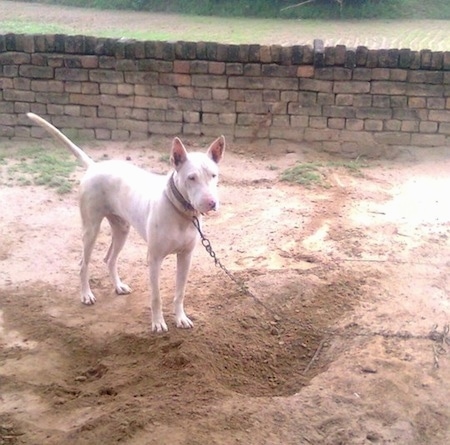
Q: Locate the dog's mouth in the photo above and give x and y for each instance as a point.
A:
(210, 208)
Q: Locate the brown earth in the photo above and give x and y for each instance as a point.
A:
(343, 338)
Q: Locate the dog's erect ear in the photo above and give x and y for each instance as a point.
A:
(178, 154)
(216, 149)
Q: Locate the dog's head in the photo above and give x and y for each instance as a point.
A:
(197, 174)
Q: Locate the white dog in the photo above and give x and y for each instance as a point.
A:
(160, 208)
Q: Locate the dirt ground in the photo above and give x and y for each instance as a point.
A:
(341, 340)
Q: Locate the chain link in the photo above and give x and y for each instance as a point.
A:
(442, 339)
(241, 285)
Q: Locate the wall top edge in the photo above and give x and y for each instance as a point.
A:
(316, 54)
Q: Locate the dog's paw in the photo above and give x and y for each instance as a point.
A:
(159, 326)
(123, 289)
(183, 322)
(88, 298)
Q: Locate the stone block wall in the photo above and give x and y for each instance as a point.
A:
(335, 98)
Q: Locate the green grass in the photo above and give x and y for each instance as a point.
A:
(165, 158)
(353, 166)
(192, 28)
(309, 174)
(37, 166)
(38, 27)
(412, 34)
(318, 9)
(306, 174)
(30, 27)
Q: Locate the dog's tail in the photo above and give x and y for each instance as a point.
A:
(77, 151)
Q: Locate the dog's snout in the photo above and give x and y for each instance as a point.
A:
(207, 204)
(212, 205)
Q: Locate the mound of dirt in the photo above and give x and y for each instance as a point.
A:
(335, 329)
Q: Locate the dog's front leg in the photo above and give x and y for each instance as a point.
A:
(158, 323)
(183, 265)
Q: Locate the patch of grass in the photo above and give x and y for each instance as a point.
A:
(353, 166)
(31, 27)
(306, 174)
(165, 158)
(315, 173)
(38, 166)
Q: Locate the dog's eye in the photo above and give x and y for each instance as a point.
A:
(214, 175)
(191, 177)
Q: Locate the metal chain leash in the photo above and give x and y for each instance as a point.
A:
(442, 339)
(241, 285)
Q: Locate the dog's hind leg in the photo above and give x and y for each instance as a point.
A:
(90, 232)
(119, 232)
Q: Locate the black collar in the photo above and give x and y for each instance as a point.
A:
(187, 206)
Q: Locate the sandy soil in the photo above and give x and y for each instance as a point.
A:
(343, 339)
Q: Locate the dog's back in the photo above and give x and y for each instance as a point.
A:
(122, 189)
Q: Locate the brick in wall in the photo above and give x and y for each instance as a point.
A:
(116, 89)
